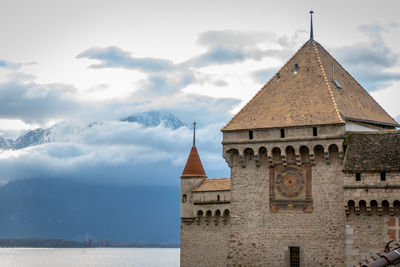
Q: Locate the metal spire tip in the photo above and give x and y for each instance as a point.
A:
(311, 28)
(194, 133)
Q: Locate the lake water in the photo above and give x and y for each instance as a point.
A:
(89, 257)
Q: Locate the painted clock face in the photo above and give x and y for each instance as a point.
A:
(290, 182)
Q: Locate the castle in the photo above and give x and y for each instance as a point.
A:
(315, 175)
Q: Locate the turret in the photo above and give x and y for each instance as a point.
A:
(192, 175)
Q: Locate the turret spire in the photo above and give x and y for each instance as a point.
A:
(194, 133)
(311, 27)
(193, 167)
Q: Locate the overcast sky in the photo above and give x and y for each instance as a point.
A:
(201, 60)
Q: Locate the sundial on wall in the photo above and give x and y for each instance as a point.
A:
(290, 188)
(289, 182)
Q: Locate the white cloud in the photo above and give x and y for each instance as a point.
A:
(114, 152)
(388, 98)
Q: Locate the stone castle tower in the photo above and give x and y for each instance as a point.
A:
(315, 175)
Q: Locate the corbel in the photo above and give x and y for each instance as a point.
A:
(380, 211)
(326, 157)
(270, 161)
(228, 159)
(242, 161)
(368, 209)
(312, 158)
(257, 159)
(284, 161)
(298, 159)
(357, 210)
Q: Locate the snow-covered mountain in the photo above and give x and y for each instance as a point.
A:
(153, 118)
(5, 142)
(32, 138)
(66, 131)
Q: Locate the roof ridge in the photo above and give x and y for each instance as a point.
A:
(199, 183)
(327, 84)
(259, 91)
(351, 76)
(385, 131)
(216, 179)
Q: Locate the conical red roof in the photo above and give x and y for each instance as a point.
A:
(193, 167)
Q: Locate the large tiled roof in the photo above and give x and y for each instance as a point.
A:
(309, 97)
(220, 184)
(372, 151)
(193, 167)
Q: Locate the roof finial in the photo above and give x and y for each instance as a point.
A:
(311, 28)
(194, 133)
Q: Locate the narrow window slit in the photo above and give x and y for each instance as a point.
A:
(282, 133)
(314, 131)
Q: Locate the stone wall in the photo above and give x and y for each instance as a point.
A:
(368, 234)
(259, 237)
(373, 208)
(204, 226)
(186, 204)
(204, 244)
(346, 221)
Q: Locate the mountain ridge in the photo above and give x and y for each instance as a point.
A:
(147, 119)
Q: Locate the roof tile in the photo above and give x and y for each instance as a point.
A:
(193, 167)
(372, 151)
(308, 97)
(220, 184)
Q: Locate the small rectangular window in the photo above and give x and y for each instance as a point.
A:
(282, 133)
(383, 176)
(184, 198)
(250, 134)
(314, 131)
(358, 176)
(294, 256)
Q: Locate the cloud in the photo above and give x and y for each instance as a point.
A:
(370, 61)
(32, 102)
(161, 84)
(114, 152)
(22, 98)
(9, 65)
(222, 47)
(233, 40)
(263, 75)
(219, 83)
(115, 57)
(188, 107)
(228, 47)
(163, 88)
